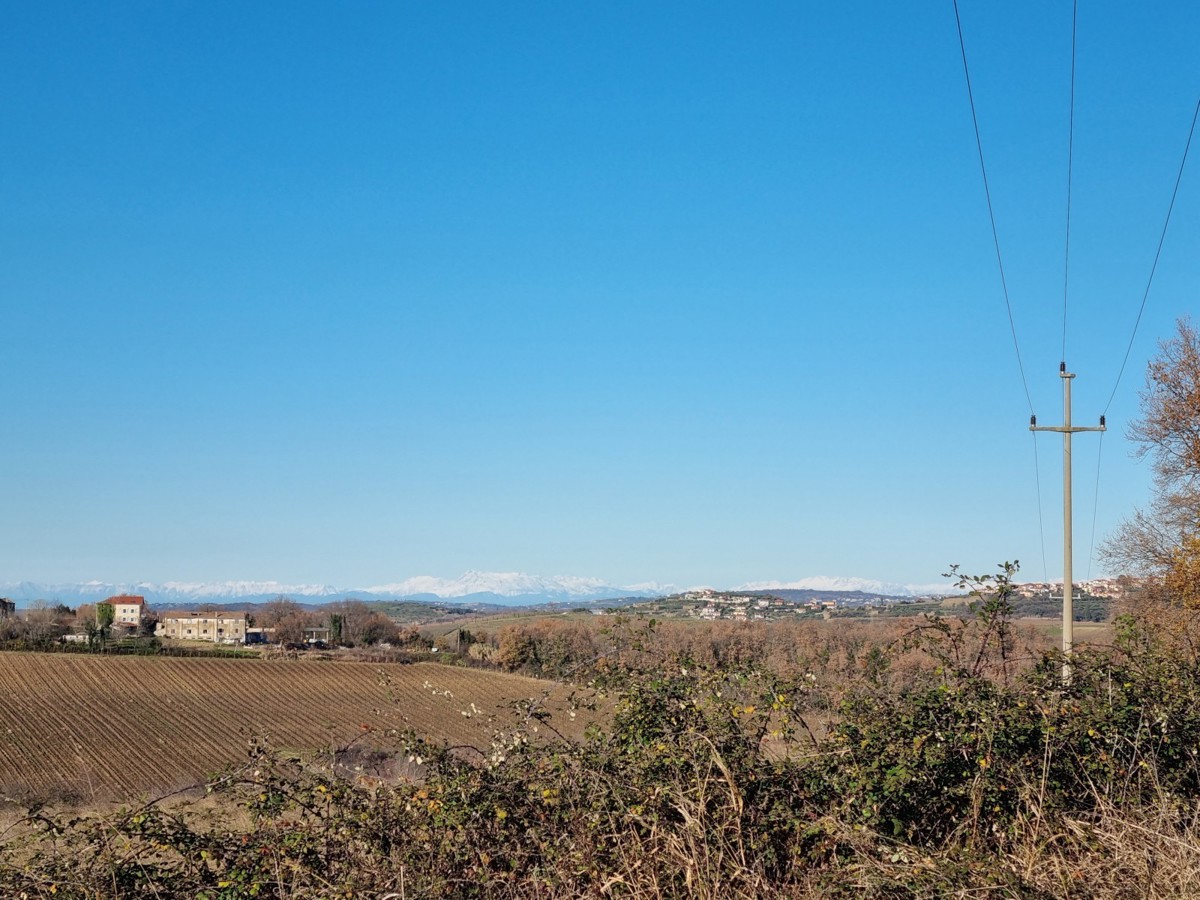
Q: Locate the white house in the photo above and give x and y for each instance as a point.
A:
(128, 609)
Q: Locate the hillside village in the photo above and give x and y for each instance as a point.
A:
(712, 605)
(1107, 588)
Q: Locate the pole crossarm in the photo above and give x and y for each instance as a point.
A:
(1066, 430)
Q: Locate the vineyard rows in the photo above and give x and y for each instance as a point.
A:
(98, 727)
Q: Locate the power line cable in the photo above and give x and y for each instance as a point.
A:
(1037, 476)
(1153, 268)
(1095, 506)
(1070, 166)
(991, 213)
(1000, 264)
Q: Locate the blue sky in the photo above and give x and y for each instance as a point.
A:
(348, 293)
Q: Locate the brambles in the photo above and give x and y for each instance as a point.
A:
(948, 753)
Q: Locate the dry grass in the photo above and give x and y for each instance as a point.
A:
(1150, 852)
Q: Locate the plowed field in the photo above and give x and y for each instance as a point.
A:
(91, 727)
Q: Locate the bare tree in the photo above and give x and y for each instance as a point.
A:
(288, 619)
(1169, 429)
(43, 623)
(1163, 540)
(355, 622)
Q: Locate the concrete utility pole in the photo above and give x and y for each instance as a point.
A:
(1067, 430)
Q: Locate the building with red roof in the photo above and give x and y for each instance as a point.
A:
(128, 609)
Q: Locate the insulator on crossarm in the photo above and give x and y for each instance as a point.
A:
(1102, 425)
(1032, 421)
(1062, 367)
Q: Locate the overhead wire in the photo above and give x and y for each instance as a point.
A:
(1095, 506)
(1070, 166)
(991, 213)
(1066, 259)
(1037, 477)
(962, 46)
(1000, 265)
(1157, 253)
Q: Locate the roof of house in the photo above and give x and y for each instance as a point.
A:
(126, 599)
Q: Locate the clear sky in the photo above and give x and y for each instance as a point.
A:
(688, 292)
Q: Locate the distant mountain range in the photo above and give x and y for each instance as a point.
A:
(471, 588)
(866, 586)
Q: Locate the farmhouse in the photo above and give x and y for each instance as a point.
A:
(218, 627)
(128, 609)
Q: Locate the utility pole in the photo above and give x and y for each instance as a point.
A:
(1068, 626)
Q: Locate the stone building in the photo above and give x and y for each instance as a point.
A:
(128, 609)
(218, 627)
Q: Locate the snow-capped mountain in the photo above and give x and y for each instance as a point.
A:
(505, 588)
(503, 584)
(169, 593)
